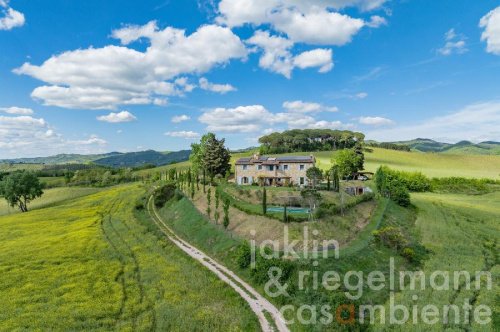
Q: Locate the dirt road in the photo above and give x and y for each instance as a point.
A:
(257, 302)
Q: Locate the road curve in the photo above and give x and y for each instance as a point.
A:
(257, 302)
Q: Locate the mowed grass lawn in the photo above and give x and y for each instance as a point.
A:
(95, 264)
(462, 232)
(430, 164)
(49, 198)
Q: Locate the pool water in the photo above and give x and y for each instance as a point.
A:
(288, 209)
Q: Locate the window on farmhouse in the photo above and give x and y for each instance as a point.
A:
(285, 167)
(301, 167)
(302, 181)
(245, 167)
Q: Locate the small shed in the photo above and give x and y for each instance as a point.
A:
(358, 191)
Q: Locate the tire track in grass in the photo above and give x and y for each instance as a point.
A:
(259, 305)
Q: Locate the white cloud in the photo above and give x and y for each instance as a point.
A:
(454, 44)
(17, 110)
(491, 34)
(376, 21)
(476, 122)
(329, 125)
(277, 57)
(218, 88)
(180, 118)
(360, 95)
(123, 116)
(10, 18)
(104, 78)
(375, 121)
(27, 136)
(183, 134)
(255, 117)
(320, 57)
(298, 106)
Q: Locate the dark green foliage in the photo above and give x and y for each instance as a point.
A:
(396, 185)
(244, 255)
(165, 193)
(315, 175)
(217, 202)
(391, 237)
(389, 146)
(264, 201)
(309, 140)
(285, 218)
(225, 222)
(463, 185)
(335, 178)
(209, 198)
(349, 161)
(211, 155)
(20, 188)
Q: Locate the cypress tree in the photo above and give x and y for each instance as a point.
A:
(226, 214)
(264, 201)
(285, 217)
(209, 192)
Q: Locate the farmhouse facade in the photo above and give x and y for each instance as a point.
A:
(273, 171)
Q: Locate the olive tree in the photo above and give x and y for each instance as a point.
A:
(20, 188)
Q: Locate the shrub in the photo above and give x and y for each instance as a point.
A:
(244, 255)
(391, 237)
(165, 193)
(462, 185)
(139, 205)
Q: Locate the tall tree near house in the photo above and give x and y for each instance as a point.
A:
(348, 162)
(197, 181)
(264, 201)
(192, 189)
(285, 216)
(20, 188)
(209, 198)
(315, 175)
(204, 181)
(211, 156)
(225, 221)
(328, 181)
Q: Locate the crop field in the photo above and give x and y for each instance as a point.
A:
(430, 164)
(462, 232)
(50, 197)
(95, 264)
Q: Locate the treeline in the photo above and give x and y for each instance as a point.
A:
(307, 140)
(389, 146)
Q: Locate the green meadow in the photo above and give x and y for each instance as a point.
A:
(430, 164)
(93, 263)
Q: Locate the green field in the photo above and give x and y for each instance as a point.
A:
(49, 198)
(94, 264)
(430, 164)
(462, 232)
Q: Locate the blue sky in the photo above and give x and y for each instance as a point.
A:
(97, 76)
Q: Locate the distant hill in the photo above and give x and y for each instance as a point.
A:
(135, 159)
(112, 159)
(462, 147)
(60, 159)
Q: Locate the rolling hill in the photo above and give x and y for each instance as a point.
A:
(134, 159)
(462, 147)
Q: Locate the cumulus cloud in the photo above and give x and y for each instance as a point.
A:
(454, 44)
(106, 77)
(183, 134)
(255, 117)
(476, 122)
(10, 18)
(218, 88)
(491, 34)
(17, 110)
(375, 121)
(180, 118)
(123, 116)
(320, 57)
(277, 56)
(299, 106)
(28, 137)
(376, 21)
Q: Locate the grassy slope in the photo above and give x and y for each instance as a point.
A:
(462, 232)
(363, 256)
(90, 264)
(49, 198)
(431, 164)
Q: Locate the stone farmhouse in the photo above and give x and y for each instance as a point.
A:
(273, 171)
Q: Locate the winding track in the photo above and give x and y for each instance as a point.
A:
(257, 302)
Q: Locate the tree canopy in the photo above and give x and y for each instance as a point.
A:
(315, 175)
(349, 161)
(211, 156)
(20, 188)
(298, 140)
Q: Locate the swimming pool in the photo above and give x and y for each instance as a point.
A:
(288, 209)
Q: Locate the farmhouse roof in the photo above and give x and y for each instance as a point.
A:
(266, 160)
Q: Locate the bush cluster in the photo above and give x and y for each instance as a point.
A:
(165, 193)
